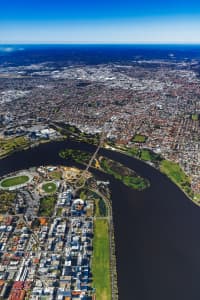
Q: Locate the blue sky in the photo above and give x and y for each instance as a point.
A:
(96, 21)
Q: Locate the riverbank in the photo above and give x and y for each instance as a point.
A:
(104, 251)
(171, 169)
(177, 175)
(104, 265)
(11, 145)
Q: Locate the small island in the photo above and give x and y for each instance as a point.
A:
(171, 169)
(114, 168)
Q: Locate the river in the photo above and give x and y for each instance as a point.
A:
(157, 231)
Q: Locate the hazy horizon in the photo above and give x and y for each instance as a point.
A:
(98, 43)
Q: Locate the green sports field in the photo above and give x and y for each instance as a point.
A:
(49, 187)
(101, 261)
(14, 181)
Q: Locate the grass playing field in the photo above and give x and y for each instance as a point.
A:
(101, 261)
(14, 181)
(49, 187)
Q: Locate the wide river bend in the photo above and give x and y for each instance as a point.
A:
(157, 231)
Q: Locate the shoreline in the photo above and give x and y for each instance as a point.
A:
(195, 201)
(106, 147)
